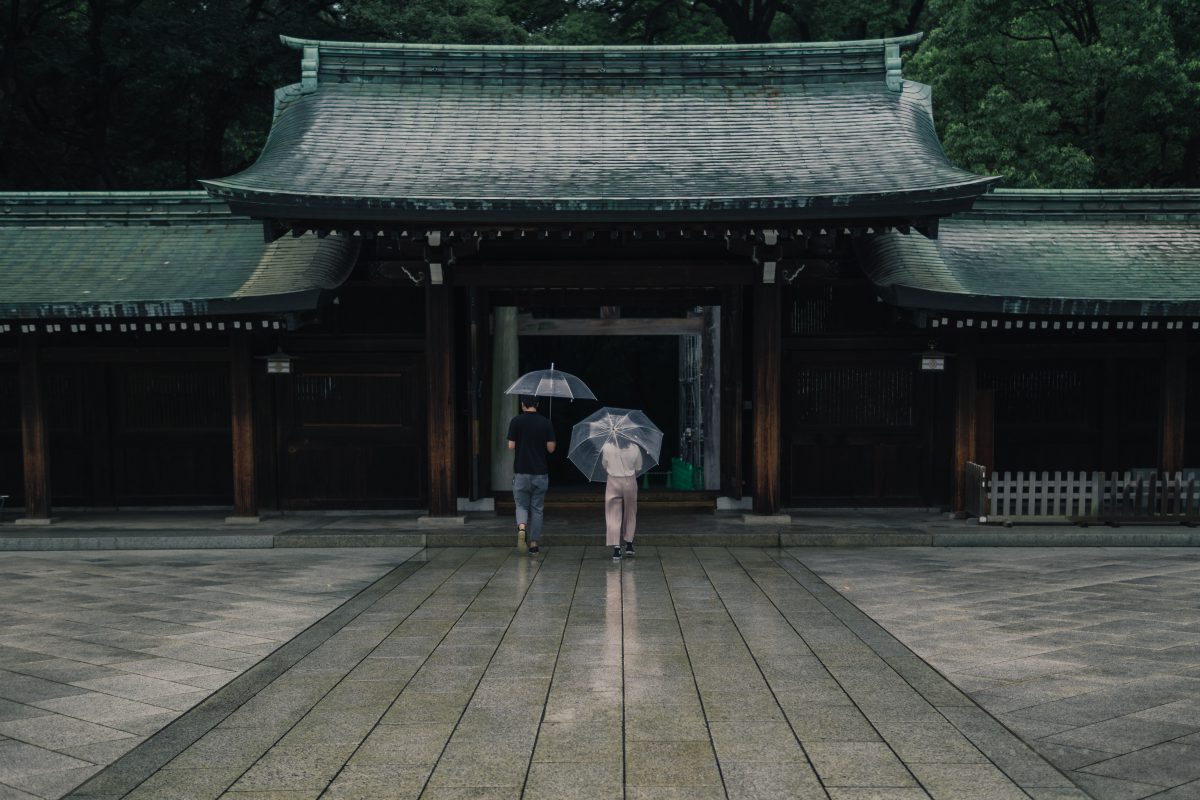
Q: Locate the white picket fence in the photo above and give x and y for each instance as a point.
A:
(1093, 496)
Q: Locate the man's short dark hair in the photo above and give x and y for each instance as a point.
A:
(529, 401)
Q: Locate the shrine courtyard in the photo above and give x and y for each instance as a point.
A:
(695, 672)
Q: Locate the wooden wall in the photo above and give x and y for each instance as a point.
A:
(11, 482)
(861, 424)
(1074, 412)
(350, 431)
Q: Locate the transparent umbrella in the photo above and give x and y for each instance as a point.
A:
(551, 383)
(620, 436)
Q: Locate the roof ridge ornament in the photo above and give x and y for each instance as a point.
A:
(891, 57)
(309, 64)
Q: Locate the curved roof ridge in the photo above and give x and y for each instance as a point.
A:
(816, 63)
(67, 208)
(522, 49)
(1182, 204)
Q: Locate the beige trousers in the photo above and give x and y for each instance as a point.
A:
(620, 509)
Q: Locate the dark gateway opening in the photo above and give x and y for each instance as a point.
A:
(623, 371)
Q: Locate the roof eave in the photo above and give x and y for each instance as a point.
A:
(917, 299)
(125, 310)
(923, 203)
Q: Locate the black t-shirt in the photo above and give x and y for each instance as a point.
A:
(531, 431)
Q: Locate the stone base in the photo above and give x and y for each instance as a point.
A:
(441, 522)
(482, 504)
(767, 519)
(243, 520)
(35, 520)
(733, 504)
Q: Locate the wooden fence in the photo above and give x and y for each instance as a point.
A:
(1083, 497)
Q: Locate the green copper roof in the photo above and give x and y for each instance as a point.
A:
(162, 254)
(473, 133)
(1129, 253)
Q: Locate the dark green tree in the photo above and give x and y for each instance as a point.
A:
(1067, 93)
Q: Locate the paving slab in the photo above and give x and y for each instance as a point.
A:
(686, 672)
(99, 652)
(1088, 654)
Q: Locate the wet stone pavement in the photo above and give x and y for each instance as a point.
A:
(681, 673)
(101, 650)
(1092, 655)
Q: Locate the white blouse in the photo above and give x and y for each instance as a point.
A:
(621, 462)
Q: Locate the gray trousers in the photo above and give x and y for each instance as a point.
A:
(529, 493)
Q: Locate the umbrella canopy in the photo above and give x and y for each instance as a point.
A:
(620, 440)
(551, 383)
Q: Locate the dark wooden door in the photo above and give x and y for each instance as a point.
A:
(856, 429)
(351, 433)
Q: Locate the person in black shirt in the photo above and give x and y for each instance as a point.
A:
(531, 436)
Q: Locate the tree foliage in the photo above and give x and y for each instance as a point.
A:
(101, 94)
(1068, 93)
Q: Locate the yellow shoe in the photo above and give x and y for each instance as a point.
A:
(522, 545)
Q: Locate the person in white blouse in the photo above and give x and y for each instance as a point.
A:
(622, 463)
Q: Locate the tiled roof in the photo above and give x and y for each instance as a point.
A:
(1085, 253)
(460, 133)
(160, 254)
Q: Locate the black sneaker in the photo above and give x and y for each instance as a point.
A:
(534, 549)
(616, 554)
(629, 549)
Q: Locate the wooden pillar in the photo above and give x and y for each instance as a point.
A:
(964, 418)
(35, 440)
(505, 352)
(475, 318)
(710, 371)
(731, 392)
(439, 361)
(241, 395)
(768, 343)
(1174, 404)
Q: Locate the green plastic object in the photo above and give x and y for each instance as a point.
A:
(685, 476)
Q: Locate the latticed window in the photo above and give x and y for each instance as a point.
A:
(355, 399)
(853, 395)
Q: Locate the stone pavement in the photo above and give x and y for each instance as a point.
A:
(893, 527)
(98, 651)
(1091, 655)
(681, 673)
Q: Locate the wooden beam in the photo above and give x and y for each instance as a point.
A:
(675, 298)
(601, 274)
(625, 326)
(1174, 404)
(126, 354)
(35, 440)
(768, 335)
(731, 392)
(241, 395)
(439, 360)
(965, 418)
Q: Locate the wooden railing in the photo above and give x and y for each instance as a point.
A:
(1083, 497)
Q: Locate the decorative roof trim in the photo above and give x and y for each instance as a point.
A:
(898, 205)
(1110, 204)
(729, 64)
(910, 40)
